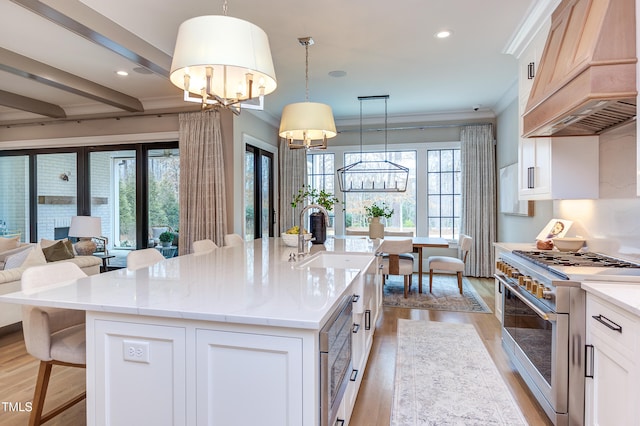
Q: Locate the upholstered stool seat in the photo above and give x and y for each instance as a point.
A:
(204, 246)
(52, 335)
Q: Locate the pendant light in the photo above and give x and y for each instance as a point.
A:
(223, 61)
(373, 176)
(307, 124)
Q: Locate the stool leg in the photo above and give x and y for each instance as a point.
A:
(44, 373)
(460, 282)
(430, 280)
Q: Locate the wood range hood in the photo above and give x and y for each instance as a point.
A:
(586, 81)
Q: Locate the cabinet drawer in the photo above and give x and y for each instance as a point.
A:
(617, 327)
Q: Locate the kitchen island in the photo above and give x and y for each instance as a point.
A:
(228, 337)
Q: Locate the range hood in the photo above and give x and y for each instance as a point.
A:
(586, 80)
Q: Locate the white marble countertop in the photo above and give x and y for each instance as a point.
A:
(249, 284)
(623, 295)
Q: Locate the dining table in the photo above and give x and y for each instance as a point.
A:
(420, 243)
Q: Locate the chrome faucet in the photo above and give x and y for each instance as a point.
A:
(301, 245)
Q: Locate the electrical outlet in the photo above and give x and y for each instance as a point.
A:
(136, 351)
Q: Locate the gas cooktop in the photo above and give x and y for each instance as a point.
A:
(582, 265)
(589, 259)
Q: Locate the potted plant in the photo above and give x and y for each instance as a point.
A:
(166, 238)
(317, 221)
(374, 213)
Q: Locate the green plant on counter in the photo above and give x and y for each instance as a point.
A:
(322, 198)
(375, 210)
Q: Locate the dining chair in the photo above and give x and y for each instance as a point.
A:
(203, 246)
(450, 263)
(233, 240)
(142, 258)
(54, 336)
(396, 260)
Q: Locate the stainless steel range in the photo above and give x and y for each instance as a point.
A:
(544, 322)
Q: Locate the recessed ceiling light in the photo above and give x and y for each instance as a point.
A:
(122, 73)
(443, 34)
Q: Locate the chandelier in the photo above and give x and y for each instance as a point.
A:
(223, 61)
(307, 124)
(373, 175)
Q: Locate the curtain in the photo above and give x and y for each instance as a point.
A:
(203, 208)
(292, 176)
(479, 197)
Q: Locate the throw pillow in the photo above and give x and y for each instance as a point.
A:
(16, 260)
(44, 243)
(9, 243)
(56, 252)
(35, 258)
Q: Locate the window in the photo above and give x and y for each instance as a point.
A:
(402, 203)
(14, 197)
(443, 193)
(321, 175)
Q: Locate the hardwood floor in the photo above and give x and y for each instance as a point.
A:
(373, 407)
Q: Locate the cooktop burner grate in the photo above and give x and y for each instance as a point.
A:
(548, 259)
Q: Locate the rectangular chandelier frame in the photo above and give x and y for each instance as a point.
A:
(373, 176)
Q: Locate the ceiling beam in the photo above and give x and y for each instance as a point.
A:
(35, 106)
(54, 77)
(80, 19)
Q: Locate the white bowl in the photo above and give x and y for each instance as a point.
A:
(568, 244)
(292, 239)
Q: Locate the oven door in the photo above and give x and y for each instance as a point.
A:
(537, 341)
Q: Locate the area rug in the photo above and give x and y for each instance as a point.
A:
(445, 376)
(445, 296)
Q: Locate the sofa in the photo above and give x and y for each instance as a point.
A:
(10, 278)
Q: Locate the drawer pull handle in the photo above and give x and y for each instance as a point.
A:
(531, 177)
(354, 375)
(367, 319)
(339, 422)
(356, 328)
(588, 366)
(606, 321)
(355, 298)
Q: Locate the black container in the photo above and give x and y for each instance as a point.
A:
(318, 227)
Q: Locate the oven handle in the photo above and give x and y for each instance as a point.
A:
(547, 316)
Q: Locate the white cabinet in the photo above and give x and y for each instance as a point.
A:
(138, 373)
(558, 168)
(612, 387)
(365, 316)
(248, 379)
(171, 371)
(498, 288)
(552, 168)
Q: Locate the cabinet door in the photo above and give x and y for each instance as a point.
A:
(248, 379)
(139, 374)
(609, 396)
(613, 391)
(534, 167)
